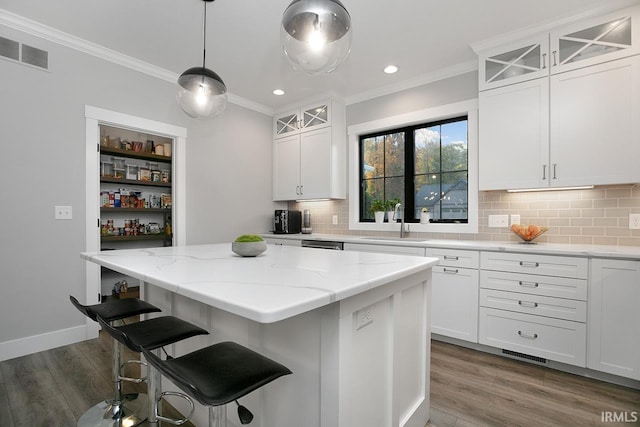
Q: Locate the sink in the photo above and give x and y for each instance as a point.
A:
(395, 239)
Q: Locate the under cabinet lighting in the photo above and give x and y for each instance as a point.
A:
(584, 187)
(278, 92)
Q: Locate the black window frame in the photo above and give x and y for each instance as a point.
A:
(409, 168)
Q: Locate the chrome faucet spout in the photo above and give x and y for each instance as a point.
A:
(403, 232)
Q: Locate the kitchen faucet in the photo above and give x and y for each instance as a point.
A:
(403, 232)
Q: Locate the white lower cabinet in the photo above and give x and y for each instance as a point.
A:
(535, 305)
(614, 317)
(546, 337)
(454, 294)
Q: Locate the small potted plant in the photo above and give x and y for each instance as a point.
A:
(425, 216)
(391, 208)
(249, 245)
(378, 207)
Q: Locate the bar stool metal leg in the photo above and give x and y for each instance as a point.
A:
(123, 410)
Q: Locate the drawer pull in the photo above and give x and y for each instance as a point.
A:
(531, 337)
(450, 270)
(528, 284)
(453, 258)
(529, 264)
(528, 304)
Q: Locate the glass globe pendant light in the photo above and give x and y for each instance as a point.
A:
(316, 35)
(201, 92)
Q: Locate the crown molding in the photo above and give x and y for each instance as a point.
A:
(440, 74)
(45, 32)
(546, 27)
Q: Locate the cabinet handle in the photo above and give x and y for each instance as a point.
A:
(454, 258)
(528, 284)
(301, 190)
(544, 61)
(555, 165)
(531, 337)
(529, 264)
(297, 190)
(544, 172)
(554, 57)
(528, 304)
(451, 271)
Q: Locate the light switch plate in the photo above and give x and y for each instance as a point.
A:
(63, 212)
(515, 219)
(498, 221)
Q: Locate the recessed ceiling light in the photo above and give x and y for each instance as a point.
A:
(390, 69)
(278, 92)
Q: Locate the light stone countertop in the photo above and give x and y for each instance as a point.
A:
(593, 251)
(282, 282)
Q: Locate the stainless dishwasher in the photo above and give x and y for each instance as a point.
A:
(323, 244)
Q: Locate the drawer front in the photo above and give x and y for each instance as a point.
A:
(553, 339)
(455, 258)
(558, 308)
(547, 265)
(561, 287)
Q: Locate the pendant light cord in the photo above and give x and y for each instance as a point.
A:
(204, 35)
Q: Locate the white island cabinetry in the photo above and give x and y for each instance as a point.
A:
(614, 317)
(352, 327)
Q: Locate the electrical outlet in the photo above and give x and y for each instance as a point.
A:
(63, 212)
(515, 219)
(364, 317)
(335, 220)
(498, 220)
(634, 221)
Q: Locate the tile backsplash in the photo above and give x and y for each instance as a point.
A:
(597, 216)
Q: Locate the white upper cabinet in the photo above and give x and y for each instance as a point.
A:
(309, 153)
(562, 113)
(514, 63)
(315, 116)
(581, 44)
(596, 40)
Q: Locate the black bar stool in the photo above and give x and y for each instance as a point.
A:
(214, 376)
(121, 410)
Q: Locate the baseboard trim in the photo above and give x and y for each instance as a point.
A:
(36, 343)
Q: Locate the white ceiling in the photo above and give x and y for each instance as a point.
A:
(421, 37)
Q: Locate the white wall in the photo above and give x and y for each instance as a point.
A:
(42, 147)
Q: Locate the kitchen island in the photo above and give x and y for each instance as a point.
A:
(353, 327)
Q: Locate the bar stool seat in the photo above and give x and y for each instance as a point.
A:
(219, 374)
(122, 409)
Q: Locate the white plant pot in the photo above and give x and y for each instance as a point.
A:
(379, 216)
(390, 216)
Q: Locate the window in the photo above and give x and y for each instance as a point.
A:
(424, 165)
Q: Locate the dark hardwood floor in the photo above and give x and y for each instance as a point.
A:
(468, 388)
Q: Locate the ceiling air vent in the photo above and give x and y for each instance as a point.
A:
(23, 53)
(9, 49)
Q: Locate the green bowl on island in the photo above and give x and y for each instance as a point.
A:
(249, 245)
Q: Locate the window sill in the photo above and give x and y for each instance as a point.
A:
(415, 227)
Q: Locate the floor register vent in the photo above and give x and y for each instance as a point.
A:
(522, 356)
(23, 53)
